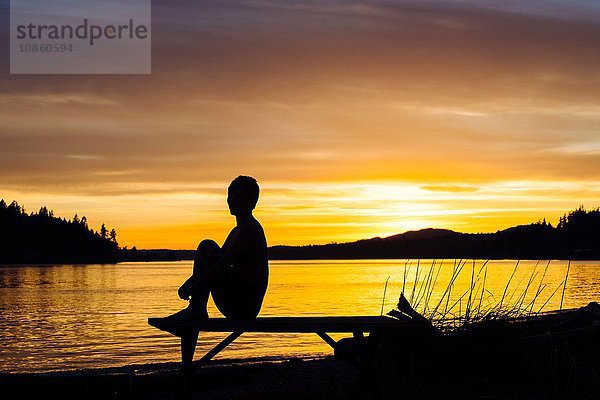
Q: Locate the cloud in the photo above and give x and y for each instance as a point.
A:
(443, 95)
(450, 188)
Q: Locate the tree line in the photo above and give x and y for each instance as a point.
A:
(41, 237)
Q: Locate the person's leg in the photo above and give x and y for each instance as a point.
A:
(235, 300)
(207, 253)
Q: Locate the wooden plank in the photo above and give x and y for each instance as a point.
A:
(342, 324)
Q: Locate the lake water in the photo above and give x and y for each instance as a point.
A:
(64, 317)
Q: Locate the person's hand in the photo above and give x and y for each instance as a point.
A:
(185, 291)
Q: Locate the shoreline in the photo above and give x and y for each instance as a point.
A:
(266, 377)
(149, 368)
(341, 259)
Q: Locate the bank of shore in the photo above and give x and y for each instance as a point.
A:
(261, 378)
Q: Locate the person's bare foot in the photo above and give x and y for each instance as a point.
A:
(188, 314)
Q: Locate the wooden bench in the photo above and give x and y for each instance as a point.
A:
(358, 326)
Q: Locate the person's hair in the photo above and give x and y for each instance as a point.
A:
(250, 185)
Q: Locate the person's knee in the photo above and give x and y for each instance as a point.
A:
(208, 248)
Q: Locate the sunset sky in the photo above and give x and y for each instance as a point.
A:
(358, 119)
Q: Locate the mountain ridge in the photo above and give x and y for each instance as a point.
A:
(577, 236)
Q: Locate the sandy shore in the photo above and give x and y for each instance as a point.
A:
(297, 378)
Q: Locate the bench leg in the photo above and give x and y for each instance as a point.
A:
(188, 347)
(217, 349)
(327, 339)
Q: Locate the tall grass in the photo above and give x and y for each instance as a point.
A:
(477, 303)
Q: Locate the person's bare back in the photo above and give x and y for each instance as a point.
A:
(243, 289)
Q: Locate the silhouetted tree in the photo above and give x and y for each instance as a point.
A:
(113, 236)
(42, 238)
(14, 208)
(103, 231)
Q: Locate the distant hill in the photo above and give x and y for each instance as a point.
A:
(42, 238)
(577, 236)
(427, 233)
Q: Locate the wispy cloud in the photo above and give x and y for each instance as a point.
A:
(450, 99)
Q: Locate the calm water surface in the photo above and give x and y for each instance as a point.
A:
(63, 317)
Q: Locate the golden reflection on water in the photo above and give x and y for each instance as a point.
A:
(86, 316)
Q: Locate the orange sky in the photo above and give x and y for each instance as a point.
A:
(358, 120)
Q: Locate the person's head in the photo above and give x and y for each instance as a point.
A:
(242, 195)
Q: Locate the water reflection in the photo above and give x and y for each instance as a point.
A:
(62, 317)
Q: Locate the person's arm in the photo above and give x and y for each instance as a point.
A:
(185, 290)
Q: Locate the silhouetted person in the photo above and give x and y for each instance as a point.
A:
(237, 274)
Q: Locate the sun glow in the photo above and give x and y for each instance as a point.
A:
(311, 213)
